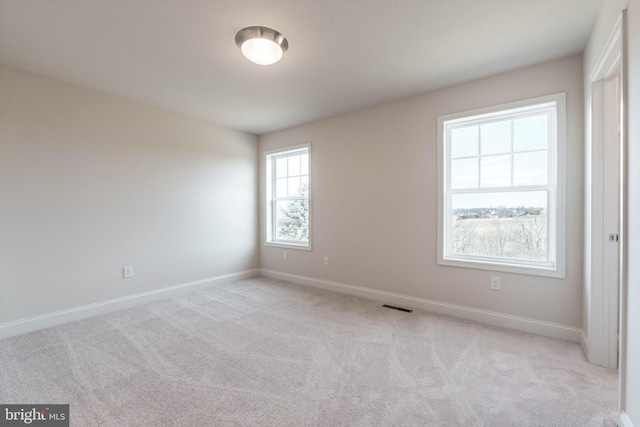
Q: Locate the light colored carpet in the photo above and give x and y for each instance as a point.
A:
(264, 353)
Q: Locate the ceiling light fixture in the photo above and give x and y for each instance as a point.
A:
(261, 45)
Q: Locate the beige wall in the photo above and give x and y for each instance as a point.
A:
(374, 199)
(90, 183)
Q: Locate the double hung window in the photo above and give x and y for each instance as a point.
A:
(288, 197)
(500, 189)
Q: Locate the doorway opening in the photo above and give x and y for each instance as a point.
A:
(604, 233)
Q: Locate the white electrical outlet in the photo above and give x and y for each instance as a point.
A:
(326, 260)
(127, 272)
(495, 283)
(285, 255)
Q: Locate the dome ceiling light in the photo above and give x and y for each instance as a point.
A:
(261, 45)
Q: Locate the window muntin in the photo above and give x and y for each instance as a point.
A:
(499, 188)
(288, 197)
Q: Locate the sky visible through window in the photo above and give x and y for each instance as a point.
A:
(500, 154)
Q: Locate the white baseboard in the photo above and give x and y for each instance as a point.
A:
(49, 320)
(584, 343)
(624, 419)
(538, 327)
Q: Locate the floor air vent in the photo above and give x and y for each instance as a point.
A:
(406, 310)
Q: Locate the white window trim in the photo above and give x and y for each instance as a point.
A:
(268, 205)
(557, 228)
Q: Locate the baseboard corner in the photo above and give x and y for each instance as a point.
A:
(584, 343)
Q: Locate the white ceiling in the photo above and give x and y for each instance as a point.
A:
(343, 55)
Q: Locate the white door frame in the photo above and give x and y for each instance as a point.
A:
(601, 295)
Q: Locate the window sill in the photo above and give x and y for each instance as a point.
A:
(507, 268)
(302, 247)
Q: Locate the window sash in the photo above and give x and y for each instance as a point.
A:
(548, 109)
(550, 238)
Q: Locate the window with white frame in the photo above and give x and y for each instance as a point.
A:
(288, 192)
(500, 190)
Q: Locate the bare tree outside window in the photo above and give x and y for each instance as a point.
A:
(519, 233)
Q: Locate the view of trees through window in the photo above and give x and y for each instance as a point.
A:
(292, 218)
(519, 232)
